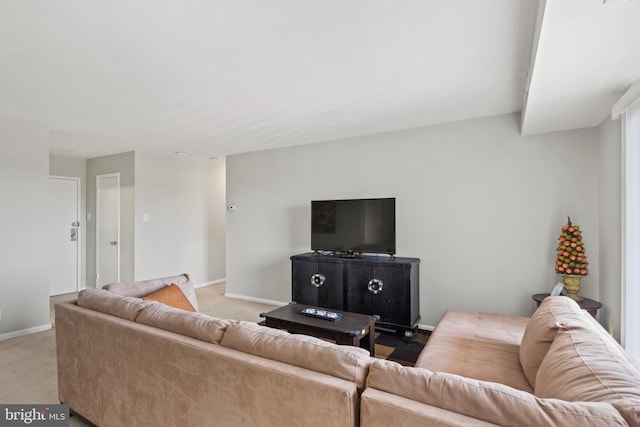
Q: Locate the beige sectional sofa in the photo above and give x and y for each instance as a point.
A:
(557, 368)
(124, 361)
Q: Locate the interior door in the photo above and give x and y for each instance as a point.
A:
(107, 229)
(64, 234)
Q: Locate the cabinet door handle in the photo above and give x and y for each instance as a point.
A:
(317, 280)
(375, 286)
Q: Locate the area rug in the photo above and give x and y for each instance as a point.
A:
(398, 349)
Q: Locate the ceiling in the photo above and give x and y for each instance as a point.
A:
(213, 78)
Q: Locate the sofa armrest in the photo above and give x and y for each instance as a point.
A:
(144, 287)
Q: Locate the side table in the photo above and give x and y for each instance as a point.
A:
(590, 305)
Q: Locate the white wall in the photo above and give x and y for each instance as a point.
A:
(480, 205)
(610, 217)
(24, 265)
(60, 165)
(184, 200)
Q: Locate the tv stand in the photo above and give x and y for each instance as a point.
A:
(384, 287)
(350, 254)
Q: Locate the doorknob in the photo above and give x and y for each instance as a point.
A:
(113, 243)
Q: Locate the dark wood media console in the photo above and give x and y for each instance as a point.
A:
(380, 286)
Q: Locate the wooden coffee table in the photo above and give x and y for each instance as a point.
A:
(351, 329)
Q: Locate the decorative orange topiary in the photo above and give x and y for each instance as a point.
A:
(571, 258)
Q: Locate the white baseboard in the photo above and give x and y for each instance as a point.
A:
(426, 327)
(27, 331)
(213, 282)
(252, 299)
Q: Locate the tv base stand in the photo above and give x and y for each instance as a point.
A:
(380, 286)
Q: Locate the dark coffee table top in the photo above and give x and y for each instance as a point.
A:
(350, 323)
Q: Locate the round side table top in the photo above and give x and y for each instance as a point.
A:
(585, 304)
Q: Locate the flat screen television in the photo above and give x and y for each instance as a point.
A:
(354, 226)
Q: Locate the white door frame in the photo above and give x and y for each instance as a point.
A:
(79, 231)
(98, 177)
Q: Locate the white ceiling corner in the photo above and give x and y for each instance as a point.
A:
(214, 78)
(587, 56)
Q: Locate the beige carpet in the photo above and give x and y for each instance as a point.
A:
(28, 363)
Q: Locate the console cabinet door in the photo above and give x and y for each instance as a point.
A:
(386, 288)
(317, 283)
(378, 290)
(359, 298)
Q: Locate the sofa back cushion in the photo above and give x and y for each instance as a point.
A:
(145, 287)
(492, 402)
(585, 363)
(346, 362)
(107, 302)
(541, 330)
(195, 325)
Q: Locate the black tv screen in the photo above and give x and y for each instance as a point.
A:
(354, 226)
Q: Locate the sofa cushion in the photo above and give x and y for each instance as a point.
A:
(171, 295)
(541, 330)
(145, 287)
(107, 302)
(585, 363)
(484, 346)
(487, 401)
(195, 325)
(346, 362)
